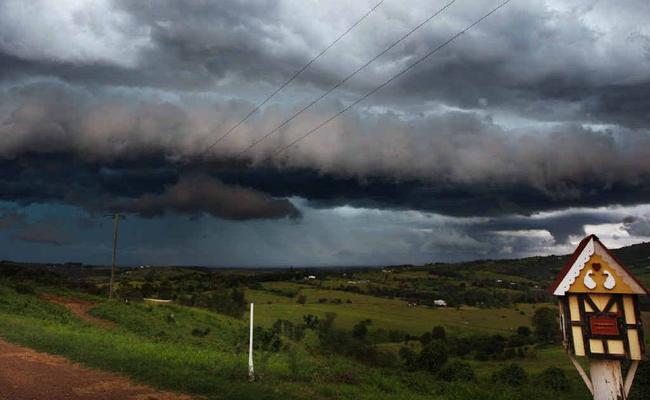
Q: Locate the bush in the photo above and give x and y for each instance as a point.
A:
(523, 331)
(409, 358)
(553, 378)
(457, 371)
(360, 330)
(24, 287)
(438, 333)
(511, 375)
(426, 338)
(200, 332)
(433, 356)
(302, 299)
(547, 329)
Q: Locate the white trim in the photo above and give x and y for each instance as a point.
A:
(575, 269)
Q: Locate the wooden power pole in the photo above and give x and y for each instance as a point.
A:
(116, 217)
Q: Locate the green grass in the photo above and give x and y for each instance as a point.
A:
(150, 349)
(388, 314)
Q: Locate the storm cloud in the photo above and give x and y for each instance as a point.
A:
(540, 109)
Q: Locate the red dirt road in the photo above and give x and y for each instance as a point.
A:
(28, 375)
(80, 308)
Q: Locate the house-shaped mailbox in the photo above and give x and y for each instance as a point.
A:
(599, 311)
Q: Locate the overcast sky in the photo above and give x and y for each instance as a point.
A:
(518, 138)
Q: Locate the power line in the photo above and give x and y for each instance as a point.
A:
(291, 79)
(347, 78)
(402, 72)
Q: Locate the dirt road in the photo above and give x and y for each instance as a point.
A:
(28, 375)
(80, 308)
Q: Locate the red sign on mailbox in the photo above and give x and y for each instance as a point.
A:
(604, 325)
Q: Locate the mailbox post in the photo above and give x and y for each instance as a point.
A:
(600, 317)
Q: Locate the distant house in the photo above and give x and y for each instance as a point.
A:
(311, 277)
(440, 303)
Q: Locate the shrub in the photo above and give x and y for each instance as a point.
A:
(457, 371)
(546, 326)
(302, 299)
(553, 378)
(511, 375)
(360, 330)
(426, 338)
(200, 332)
(433, 356)
(438, 333)
(409, 358)
(523, 331)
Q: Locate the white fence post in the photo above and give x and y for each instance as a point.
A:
(251, 372)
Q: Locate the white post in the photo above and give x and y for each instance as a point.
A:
(251, 373)
(607, 380)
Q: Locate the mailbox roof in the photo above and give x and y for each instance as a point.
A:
(578, 252)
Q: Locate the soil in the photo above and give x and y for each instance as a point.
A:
(81, 309)
(29, 375)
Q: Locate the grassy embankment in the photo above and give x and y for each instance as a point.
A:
(156, 345)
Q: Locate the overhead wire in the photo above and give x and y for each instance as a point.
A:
(291, 79)
(344, 80)
(387, 82)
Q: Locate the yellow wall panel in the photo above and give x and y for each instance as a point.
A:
(635, 347)
(578, 343)
(615, 347)
(596, 346)
(628, 306)
(573, 308)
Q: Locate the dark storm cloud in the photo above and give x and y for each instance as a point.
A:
(544, 106)
(194, 195)
(457, 163)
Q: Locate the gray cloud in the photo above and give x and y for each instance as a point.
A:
(542, 107)
(200, 194)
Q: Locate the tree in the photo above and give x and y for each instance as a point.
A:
(438, 333)
(433, 356)
(457, 371)
(511, 375)
(523, 331)
(545, 325)
(426, 338)
(553, 378)
(360, 330)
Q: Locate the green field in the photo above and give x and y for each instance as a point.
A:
(387, 313)
(197, 344)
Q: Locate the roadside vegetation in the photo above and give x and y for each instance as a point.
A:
(345, 334)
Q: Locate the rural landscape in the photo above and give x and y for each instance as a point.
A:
(324, 199)
(340, 333)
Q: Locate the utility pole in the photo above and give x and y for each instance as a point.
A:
(116, 217)
(251, 372)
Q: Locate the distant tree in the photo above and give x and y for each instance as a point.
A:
(511, 375)
(409, 358)
(360, 330)
(310, 321)
(434, 356)
(438, 333)
(457, 371)
(426, 338)
(523, 331)
(545, 325)
(553, 378)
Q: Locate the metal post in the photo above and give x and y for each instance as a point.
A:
(607, 380)
(251, 372)
(116, 217)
